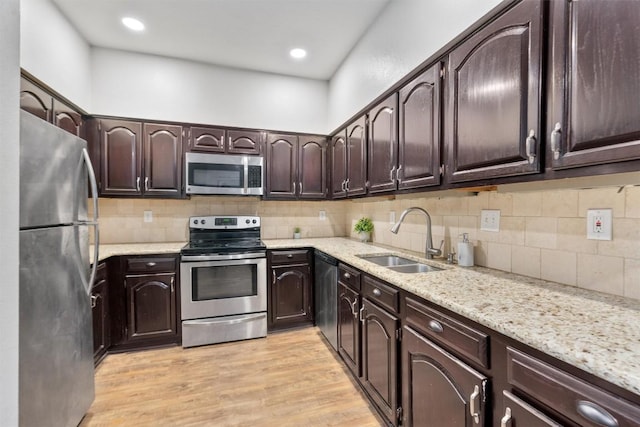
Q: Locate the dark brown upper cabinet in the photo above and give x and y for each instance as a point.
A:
(35, 100)
(339, 165)
(494, 98)
(383, 145)
(162, 160)
(211, 139)
(139, 160)
(296, 167)
(67, 118)
(594, 89)
(419, 139)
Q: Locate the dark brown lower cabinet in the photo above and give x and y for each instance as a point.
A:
(380, 333)
(519, 413)
(100, 314)
(437, 388)
(151, 307)
(349, 327)
(290, 289)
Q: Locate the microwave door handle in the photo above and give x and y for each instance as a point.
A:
(245, 162)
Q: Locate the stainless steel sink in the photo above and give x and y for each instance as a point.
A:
(387, 260)
(399, 264)
(414, 268)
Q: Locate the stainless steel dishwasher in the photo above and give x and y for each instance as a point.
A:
(326, 296)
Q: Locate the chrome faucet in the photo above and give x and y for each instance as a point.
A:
(429, 251)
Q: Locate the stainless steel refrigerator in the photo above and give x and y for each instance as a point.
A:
(56, 385)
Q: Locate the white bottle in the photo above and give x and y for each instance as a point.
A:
(465, 251)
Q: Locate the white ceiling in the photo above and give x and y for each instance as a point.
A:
(248, 34)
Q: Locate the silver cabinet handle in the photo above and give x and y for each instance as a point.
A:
(94, 301)
(473, 403)
(377, 292)
(506, 420)
(436, 326)
(556, 135)
(151, 264)
(346, 185)
(362, 314)
(146, 183)
(391, 173)
(343, 186)
(346, 276)
(138, 183)
(300, 186)
(530, 143)
(353, 308)
(399, 173)
(273, 273)
(290, 256)
(173, 284)
(596, 414)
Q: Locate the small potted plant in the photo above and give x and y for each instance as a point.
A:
(296, 233)
(364, 227)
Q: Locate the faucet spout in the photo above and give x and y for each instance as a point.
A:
(430, 251)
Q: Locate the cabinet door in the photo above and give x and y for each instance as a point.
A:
(162, 160)
(312, 167)
(356, 157)
(383, 145)
(594, 96)
(282, 166)
(518, 413)
(121, 156)
(35, 100)
(349, 328)
(100, 315)
(206, 139)
(244, 141)
(151, 309)
(380, 358)
(339, 165)
(419, 140)
(494, 98)
(437, 388)
(67, 118)
(291, 296)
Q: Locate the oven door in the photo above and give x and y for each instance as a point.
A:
(222, 287)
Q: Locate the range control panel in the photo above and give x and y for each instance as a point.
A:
(224, 222)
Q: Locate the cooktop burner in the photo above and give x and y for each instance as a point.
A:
(223, 235)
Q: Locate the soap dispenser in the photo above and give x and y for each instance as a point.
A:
(465, 251)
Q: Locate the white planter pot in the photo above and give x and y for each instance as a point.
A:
(364, 236)
(297, 235)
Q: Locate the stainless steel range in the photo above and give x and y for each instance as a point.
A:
(223, 273)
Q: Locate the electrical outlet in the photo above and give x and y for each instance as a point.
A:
(599, 224)
(148, 216)
(392, 217)
(490, 220)
(322, 215)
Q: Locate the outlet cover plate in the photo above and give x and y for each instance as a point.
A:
(599, 224)
(322, 215)
(490, 220)
(148, 216)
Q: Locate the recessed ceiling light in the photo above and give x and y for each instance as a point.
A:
(132, 23)
(298, 53)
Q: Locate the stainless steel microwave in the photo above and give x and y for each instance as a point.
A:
(223, 174)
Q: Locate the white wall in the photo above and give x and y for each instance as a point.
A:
(54, 52)
(406, 33)
(154, 87)
(9, 182)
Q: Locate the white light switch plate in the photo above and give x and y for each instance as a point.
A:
(392, 217)
(490, 220)
(599, 224)
(148, 216)
(322, 215)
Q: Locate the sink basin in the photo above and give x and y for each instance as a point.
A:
(387, 260)
(414, 268)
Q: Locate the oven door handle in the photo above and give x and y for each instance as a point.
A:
(227, 257)
(226, 321)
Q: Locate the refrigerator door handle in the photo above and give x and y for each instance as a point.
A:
(96, 232)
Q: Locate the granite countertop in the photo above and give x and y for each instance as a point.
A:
(596, 332)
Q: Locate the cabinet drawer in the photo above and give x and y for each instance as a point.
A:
(449, 332)
(289, 257)
(381, 293)
(349, 277)
(576, 399)
(150, 265)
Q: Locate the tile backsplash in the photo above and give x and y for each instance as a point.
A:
(542, 233)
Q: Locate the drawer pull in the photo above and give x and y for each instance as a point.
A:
(354, 310)
(94, 301)
(347, 276)
(473, 403)
(436, 326)
(377, 292)
(290, 256)
(151, 264)
(595, 414)
(506, 420)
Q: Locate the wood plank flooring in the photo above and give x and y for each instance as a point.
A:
(287, 379)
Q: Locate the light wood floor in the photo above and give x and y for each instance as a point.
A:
(286, 379)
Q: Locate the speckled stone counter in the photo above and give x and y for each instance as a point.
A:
(596, 332)
(137, 249)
